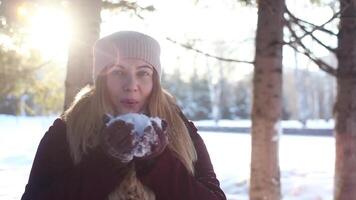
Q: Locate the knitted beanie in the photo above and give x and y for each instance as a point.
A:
(125, 44)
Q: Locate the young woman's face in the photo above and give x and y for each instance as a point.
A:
(130, 84)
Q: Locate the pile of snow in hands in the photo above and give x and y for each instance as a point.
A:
(144, 135)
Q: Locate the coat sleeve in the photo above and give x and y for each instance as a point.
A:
(204, 170)
(54, 176)
(169, 178)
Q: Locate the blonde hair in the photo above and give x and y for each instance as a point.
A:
(84, 122)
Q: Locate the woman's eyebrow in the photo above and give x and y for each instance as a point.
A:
(119, 66)
(138, 67)
(144, 66)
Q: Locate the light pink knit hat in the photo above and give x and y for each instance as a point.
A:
(126, 44)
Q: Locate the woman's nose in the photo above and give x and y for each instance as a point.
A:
(131, 84)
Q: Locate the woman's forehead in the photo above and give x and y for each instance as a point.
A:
(132, 63)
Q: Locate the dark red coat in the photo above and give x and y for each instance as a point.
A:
(54, 176)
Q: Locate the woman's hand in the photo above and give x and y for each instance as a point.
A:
(162, 139)
(117, 140)
(120, 141)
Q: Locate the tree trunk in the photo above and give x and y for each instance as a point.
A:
(86, 29)
(267, 101)
(345, 107)
(215, 89)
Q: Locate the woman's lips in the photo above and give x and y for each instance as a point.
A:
(129, 103)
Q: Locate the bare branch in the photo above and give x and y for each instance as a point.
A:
(207, 54)
(315, 27)
(306, 32)
(126, 5)
(321, 64)
(314, 38)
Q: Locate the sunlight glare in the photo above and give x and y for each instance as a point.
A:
(49, 31)
(22, 11)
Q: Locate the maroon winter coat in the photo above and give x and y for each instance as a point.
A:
(54, 176)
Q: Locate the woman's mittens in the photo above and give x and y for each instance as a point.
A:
(134, 135)
(162, 138)
(118, 140)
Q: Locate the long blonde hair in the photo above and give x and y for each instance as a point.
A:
(84, 122)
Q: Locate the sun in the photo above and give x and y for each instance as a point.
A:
(48, 30)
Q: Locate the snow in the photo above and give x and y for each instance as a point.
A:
(140, 121)
(224, 123)
(311, 124)
(306, 162)
(144, 143)
(144, 135)
(157, 120)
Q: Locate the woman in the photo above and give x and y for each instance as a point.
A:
(77, 157)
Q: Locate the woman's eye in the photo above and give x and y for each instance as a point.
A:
(143, 74)
(117, 73)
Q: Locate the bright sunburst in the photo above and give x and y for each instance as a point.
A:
(48, 30)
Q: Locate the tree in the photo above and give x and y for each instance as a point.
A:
(242, 103)
(345, 107)
(175, 85)
(215, 89)
(267, 101)
(192, 96)
(16, 75)
(86, 23)
(30, 84)
(198, 100)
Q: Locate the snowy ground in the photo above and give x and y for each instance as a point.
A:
(306, 162)
(310, 124)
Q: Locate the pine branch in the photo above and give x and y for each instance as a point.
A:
(298, 40)
(189, 47)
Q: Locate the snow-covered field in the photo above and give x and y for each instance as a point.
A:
(310, 124)
(306, 162)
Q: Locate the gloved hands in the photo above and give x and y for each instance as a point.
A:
(122, 142)
(161, 141)
(117, 140)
